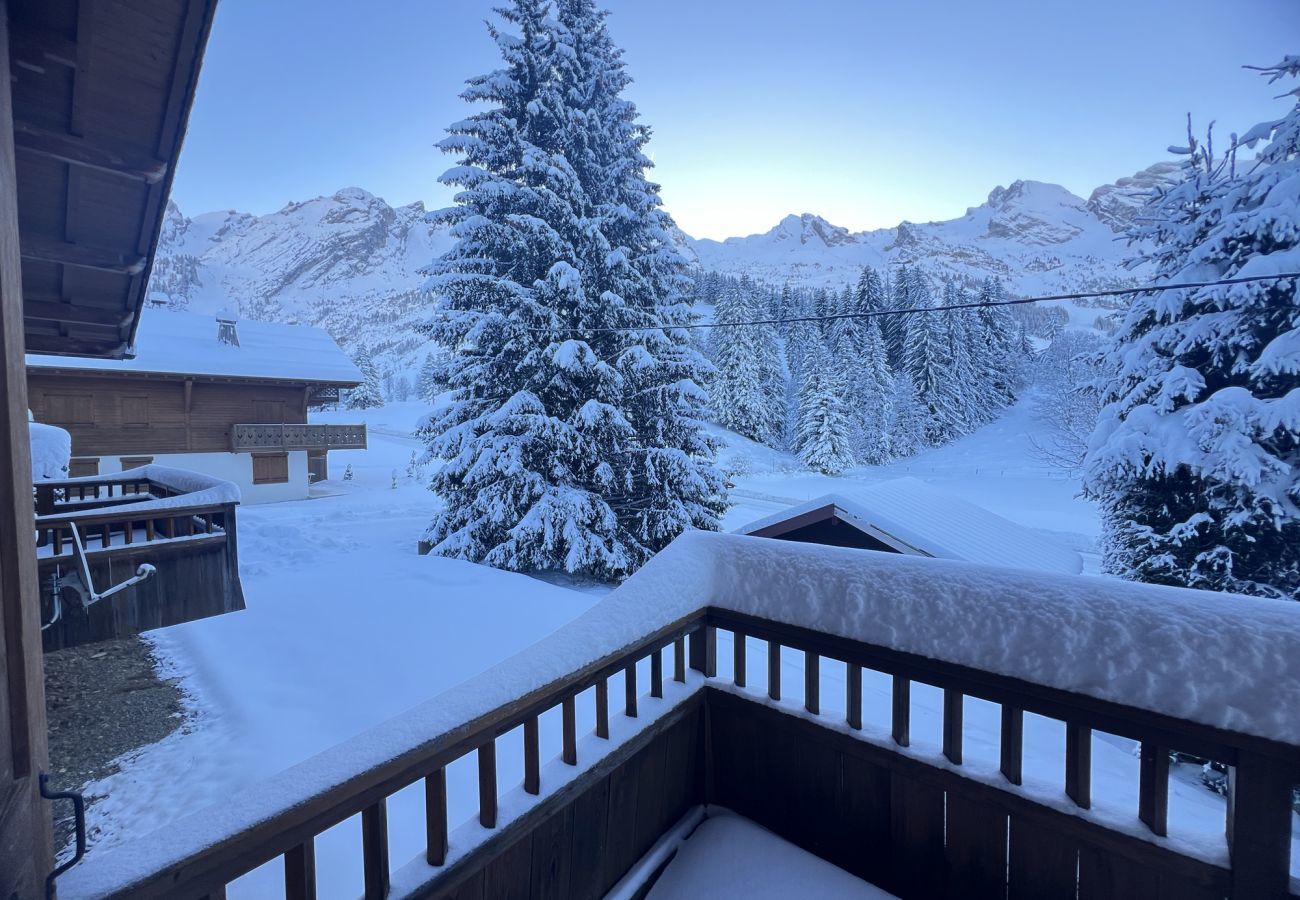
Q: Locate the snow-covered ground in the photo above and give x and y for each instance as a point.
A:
(347, 626)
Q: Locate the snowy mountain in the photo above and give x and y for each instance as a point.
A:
(1037, 237)
(350, 262)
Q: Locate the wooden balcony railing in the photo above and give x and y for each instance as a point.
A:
(245, 438)
(182, 523)
(918, 823)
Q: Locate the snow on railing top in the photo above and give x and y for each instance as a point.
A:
(1220, 660)
(193, 489)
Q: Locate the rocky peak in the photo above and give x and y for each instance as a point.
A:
(1118, 204)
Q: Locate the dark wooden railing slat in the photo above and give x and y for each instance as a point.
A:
(487, 784)
(1153, 788)
(435, 817)
(532, 757)
(774, 670)
(902, 711)
(657, 673)
(569, 725)
(300, 871)
(1013, 744)
(602, 708)
(374, 849)
(812, 682)
(738, 658)
(629, 690)
(703, 643)
(1078, 764)
(679, 660)
(853, 696)
(1259, 827)
(953, 714)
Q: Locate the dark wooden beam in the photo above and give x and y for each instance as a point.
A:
(71, 313)
(40, 47)
(78, 151)
(43, 249)
(63, 346)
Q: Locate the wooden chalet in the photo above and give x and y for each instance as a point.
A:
(676, 677)
(211, 394)
(906, 515)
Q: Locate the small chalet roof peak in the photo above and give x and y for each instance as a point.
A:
(182, 343)
(917, 519)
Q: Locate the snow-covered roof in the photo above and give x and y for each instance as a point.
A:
(186, 344)
(913, 517)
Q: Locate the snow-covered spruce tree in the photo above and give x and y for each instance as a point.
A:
(569, 444)
(429, 381)
(1066, 399)
(998, 359)
(872, 397)
(824, 432)
(1196, 458)
(748, 389)
(368, 394)
(909, 419)
(927, 362)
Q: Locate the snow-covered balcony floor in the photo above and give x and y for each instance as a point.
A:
(728, 857)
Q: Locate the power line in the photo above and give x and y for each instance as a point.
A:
(831, 317)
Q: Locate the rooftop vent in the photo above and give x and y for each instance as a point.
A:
(226, 333)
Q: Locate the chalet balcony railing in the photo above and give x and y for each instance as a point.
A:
(248, 438)
(181, 523)
(918, 823)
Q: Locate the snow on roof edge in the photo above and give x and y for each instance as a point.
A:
(1168, 650)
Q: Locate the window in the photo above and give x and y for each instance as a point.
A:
(268, 412)
(69, 409)
(133, 462)
(80, 466)
(270, 468)
(135, 410)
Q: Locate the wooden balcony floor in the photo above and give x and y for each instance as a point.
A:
(729, 856)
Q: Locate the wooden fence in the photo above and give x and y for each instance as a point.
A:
(245, 438)
(917, 828)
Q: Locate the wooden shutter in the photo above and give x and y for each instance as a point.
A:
(270, 468)
(70, 409)
(81, 466)
(135, 410)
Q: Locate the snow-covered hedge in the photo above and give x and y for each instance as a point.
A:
(1221, 660)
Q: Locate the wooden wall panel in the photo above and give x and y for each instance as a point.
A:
(115, 405)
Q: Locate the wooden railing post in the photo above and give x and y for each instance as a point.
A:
(487, 784)
(773, 670)
(300, 871)
(629, 690)
(1153, 788)
(812, 682)
(1259, 827)
(602, 708)
(435, 816)
(569, 715)
(953, 715)
(679, 660)
(704, 650)
(532, 757)
(374, 849)
(738, 658)
(853, 696)
(902, 711)
(1078, 764)
(1013, 743)
(657, 673)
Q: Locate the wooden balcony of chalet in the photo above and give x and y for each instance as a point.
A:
(253, 438)
(180, 523)
(695, 732)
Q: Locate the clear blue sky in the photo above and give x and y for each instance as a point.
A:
(862, 111)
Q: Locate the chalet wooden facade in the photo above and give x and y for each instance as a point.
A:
(234, 406)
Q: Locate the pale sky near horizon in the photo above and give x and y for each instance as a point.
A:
(861, 111)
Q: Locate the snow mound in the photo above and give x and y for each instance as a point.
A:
(939, 524)
(51, 451)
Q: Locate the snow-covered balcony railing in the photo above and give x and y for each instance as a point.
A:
(246, 438)
(180, 523)
(1169, 669)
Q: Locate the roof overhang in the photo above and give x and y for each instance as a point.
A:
(102, 91)
(832, 512)
(132, 374)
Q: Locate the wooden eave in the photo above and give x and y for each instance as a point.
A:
(832, 512)
(102, 91)
(80, 372)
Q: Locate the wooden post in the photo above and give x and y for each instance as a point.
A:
(487, 784)
(435, 817)
(738, 658)
(532, 757)
(602, 708)
(812, 682)
(773, 670)
(657, 673)
(953, 714)
(1013, 743)
(679, 660)
(853, 696)
(1153, 788)
(1259, 827)
(629, 690)
(569, 752)
(374, 849)
(300, 871)
(1078, 764)
(902, 711)
(704, 650)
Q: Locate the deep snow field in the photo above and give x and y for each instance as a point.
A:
(347, 626)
